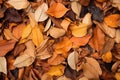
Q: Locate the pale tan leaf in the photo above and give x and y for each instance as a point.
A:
(65, 23)
(83, 78)
(72, 59)
(40, 13)
(9, 35)
(47, 26)
(117, 36)
(19, 4)
(63, 78)
(3, 65)
(46, 77)
(28, 57)
(76, 7)
(57, 32)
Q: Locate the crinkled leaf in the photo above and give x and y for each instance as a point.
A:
(57, 10)
(3, 65)
(40, 13)
(19, 4)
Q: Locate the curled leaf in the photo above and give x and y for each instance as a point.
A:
(3, 65)
(57, 32)
(40, 13)
(19, 4)
(57, 10)
(47, 26)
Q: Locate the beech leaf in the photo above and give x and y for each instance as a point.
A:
(3, 65)
(117, 36)
(47, 26)
(57, 10)
(40, 13)
(19, 4)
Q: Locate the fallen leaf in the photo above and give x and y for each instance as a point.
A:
(116, 3)
(117, 36)
(72, 60)
(91, 69)
(76, 7)
(98, 40)
(46, 77)
(57, 10)
(83, 78)
(1, 2)
(112, 20)
(26, 31)
(6, 46)
(57, 70)
(117, 76)
(107, 57)
(63, 78)
(17, 31)
(3, 65)
(65, 23)
(47, 26)
(84, 2)
(80, 41)
(57, 32)
(37, 36)
(19, 4)
(40, 13)
(79, 30)
(115, 66)
(28, 56)
(100, 1)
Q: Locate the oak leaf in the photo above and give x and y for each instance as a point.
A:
(3, 65)
(57, 10)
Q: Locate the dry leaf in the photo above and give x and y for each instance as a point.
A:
(26, 31)
(72, 60)
(47, 26)
(83, 78)
(57, 10)
(46, 77)
(100, 1)
(65, 23)
(80, 30)
(57, 70)
(19, 4)
(117, 36)
(115, 66)
(112, 20)
(117, 76)
(63, 78)
(40, 13)
(1, 2)
(57, 32)
(6, 46)
(17, 31)
(37, 36)
(91, 69)
(76, 7)
(98, 40)
(80, 41)
(107, 57)
(116, 3)
(9, 35)
(3, 65)
(28, 57)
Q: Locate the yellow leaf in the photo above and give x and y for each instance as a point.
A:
(107, 57)
(56, 70)
(80, 30)
(37, 36)
(117, 76)
(26, 31)
(57, 10)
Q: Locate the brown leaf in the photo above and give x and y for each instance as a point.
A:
(98, 40)
(57, 10)
(6, 46)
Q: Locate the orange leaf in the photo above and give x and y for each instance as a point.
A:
(107, 57)
(80, 41)
(98, 40)
(6, 46)
(57, 10)
(112, 20)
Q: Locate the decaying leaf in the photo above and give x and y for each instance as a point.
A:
(28, 57)
(19, 4)
(6, 46)
(56, 70)
(112, 20)
(76, 7)
(57, 32)
(107, 57)
(3, 65)
(40, 13)
(57, 10)
(72, 60)
(79, 30)
(91, 69)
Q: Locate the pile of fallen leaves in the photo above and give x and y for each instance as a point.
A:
(59, 39)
